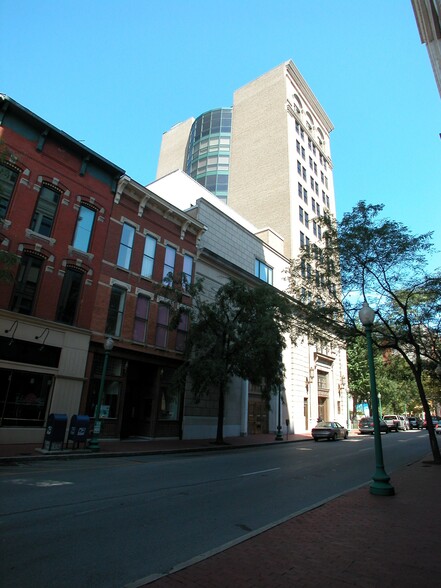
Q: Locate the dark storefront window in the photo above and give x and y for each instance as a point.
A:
(112, 387)
(24, 398)
(8, 179)
(45, 211)
(170, 397)
(26, 285)
(116, 311)
(162, 325)
(69, 296)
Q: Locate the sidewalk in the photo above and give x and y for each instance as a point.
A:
(139, 446)
(354, 540)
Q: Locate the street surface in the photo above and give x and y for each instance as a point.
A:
(108, 522)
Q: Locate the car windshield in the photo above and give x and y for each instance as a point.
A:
(324, 425)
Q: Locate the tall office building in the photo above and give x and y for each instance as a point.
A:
(279, 165)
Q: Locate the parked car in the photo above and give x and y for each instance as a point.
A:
(330, 430)
(404, 423)
(366, 426)
(415, 422)
(435, 421)
(393, 422)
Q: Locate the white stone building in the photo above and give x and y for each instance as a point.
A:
(232, 247)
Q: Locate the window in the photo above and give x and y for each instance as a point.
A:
(141, 318)
(318, 209)
(303, 153)
(169, 262)
(313, 204)
(300, 214)
(304, 173)
(187, 270)
(8, 179)
(319, 231)
(312, 182)
(264, 272)
(126, 246)
(306, 220)
(148, 259)
(314, 227)
(83, 230)
(300, 190)
(182, 331)
(26, 285)
(310, 163)
(44, 214)
(70, 296)
(299, 167)
(302, 239)
(24, 397)
(162, 325)
(316, 188)
(116, 311)
(298, 146)
(305, 195)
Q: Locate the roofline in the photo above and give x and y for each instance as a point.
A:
(8, 103)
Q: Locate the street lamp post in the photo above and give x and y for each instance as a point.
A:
(380, 480)
(94, 444)
(279, 436)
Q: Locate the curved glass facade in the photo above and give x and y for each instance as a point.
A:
(208, 151)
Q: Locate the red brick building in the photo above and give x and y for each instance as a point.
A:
(147, 239)
(85, 238)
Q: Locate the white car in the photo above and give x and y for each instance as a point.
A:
(404, 423)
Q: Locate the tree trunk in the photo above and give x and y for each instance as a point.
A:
(220, 415)
(430, 428)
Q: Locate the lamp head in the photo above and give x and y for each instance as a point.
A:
(367, 315)
(108, 344)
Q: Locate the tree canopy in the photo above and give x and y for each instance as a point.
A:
(239, 333)
(367, 258)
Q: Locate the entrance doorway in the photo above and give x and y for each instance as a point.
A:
(257, 415)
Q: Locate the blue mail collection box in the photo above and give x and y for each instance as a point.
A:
(55, 431)
(78, 430)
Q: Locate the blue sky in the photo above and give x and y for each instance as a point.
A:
(117, 74)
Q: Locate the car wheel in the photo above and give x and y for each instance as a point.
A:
(315, 438)
(346, 435)
(387, 431)
(334, 437)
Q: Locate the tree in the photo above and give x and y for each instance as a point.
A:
(369, 258)
(240, 333)
(7, 262)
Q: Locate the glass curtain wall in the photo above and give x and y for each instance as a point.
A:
(208, 151)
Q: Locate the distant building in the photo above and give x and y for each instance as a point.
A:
(428, 18)
(277, 156)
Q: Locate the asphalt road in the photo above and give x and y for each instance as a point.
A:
(107, 522)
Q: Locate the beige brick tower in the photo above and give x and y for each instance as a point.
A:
(280, 164)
